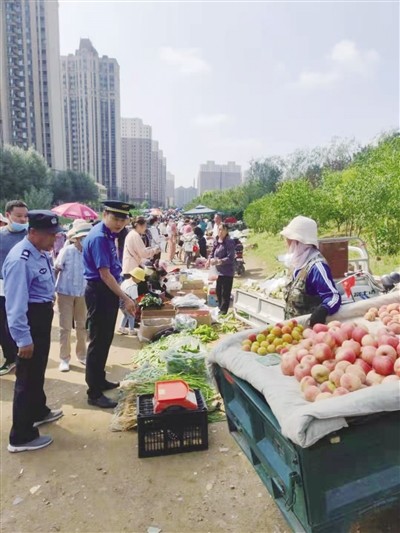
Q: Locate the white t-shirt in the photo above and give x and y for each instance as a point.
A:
(216, 230)
(129, 287)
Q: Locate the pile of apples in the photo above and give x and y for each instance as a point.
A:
(337, 358)
(274, 339)
(388, 314)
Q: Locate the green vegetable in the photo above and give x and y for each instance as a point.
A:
(150, 301)
(206, 333)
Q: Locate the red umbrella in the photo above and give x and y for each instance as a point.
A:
(75, 210)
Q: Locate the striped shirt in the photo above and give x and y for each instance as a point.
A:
(71, 280)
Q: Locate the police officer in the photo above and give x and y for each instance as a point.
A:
(29, 291)
(103, 274)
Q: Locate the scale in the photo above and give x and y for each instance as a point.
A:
(173, 395)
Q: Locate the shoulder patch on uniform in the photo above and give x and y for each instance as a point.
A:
(25, 254)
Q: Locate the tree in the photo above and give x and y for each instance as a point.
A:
(38, 198)
(71, 186)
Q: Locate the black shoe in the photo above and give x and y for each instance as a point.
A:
(108, 385)
(103, 402)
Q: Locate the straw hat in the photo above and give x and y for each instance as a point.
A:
(80, 228)
(138, 273)
(302, 229)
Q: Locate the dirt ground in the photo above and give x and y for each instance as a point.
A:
(91, 480)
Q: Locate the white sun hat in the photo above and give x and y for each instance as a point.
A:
(302, 229)
(80, 228)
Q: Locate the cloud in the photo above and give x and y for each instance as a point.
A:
(186, 60)
(344, 59)
(206, 121)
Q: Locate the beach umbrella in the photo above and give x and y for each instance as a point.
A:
(75, 210)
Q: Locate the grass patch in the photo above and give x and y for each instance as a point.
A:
(271, 246)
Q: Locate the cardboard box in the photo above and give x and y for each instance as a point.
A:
(202, 316)
(149, 327)
(193, 284)
(197, 292)
(166, 311)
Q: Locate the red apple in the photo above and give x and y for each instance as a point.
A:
(311, 393)
(307, 343)
(368, 353)
(322, 352)
(320, 327)
(340, 391)
(252, 337)
(301, 353)
(350, 382)
(354, 345)
(386, 349)
(307, 381)
(338, 335)
(388, 379)
(373, 378)
(330, 364)
(335, 377)
(308, 360)
(363, 365)
(320, 373)
(308, 333)
(334, 324)
(394, 327)
(356, 371)
(358, 333)
(369, 340)
(323, 396)
(327, 386)
(396, 367)
(347, 329)
(342, 365)
(345, 354)
(302, 370)
(392, 340)
(383, 364)
(398, 349)
(288, 364)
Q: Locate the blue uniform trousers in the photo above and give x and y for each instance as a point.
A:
(102, 305)
(29, 398)
(7, 343)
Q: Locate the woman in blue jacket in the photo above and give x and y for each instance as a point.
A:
(311, 289)
(222, 257)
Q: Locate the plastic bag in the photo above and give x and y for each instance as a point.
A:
(213, 273)
(189, 300)
(187, 356)
(185, 323)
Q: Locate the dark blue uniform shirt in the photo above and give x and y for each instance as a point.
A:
(99, 251)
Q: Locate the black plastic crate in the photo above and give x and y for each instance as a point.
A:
(171, 432)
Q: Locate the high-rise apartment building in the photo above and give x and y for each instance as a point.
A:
(184, 195)
(170, 190)
(218, 177)
(91, 98)
(30, 83)
(143, 164)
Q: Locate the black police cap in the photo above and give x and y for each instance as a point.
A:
(119, 209)
(44, 220)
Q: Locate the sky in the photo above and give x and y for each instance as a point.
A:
(233, 81)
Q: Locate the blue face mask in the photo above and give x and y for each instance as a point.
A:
(16, 226)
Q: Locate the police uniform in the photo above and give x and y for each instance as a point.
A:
(29, 291)
(99, 251)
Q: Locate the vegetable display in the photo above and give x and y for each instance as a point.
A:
(149, 301)
(187, 359)
(206, 333)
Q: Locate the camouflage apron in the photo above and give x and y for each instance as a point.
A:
(298, 302)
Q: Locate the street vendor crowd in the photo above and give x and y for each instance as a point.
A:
(93, 270)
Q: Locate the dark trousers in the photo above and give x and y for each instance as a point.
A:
(29, 398)
(7, 343)
(224, 289)
(102, 305)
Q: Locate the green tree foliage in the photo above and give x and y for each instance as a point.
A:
(70, 186)
(38, 198)
(362, 198)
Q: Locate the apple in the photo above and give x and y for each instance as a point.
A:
(345, 354)
(347, 329)
(367, 354)
(329, 339)
(301, 370)
(338, 335)
(363, 365)
(396, 367)
(386, 319)
(392, 307)
(246, 348)
(307, 343)
(323, 396)
(350, 382)
(334, 324)
(398, 349)
(394, 327)
(358, 333)
(356, 371)
(311, 393)
(320, 327)
(319, 337)
(354, 345)
(386, 349)
(373, 378)
(340, 391)
(253, 337)
(370, 317)
(286, 329)
(392, 340)
(369, 340)
(285, 349)
(308, 333)
(288, 364)
(301, 353)
(373, 310)
(330, 364)
(393, 377)
(260, 338)
(308, 360)
(322, 352)
(335, 376)
(327, 386)
(342, 365)
(320, 373)
(307, 381)
(383, 364)
(276, 331)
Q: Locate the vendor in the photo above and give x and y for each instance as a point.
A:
(311, 289)
(222, 257)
